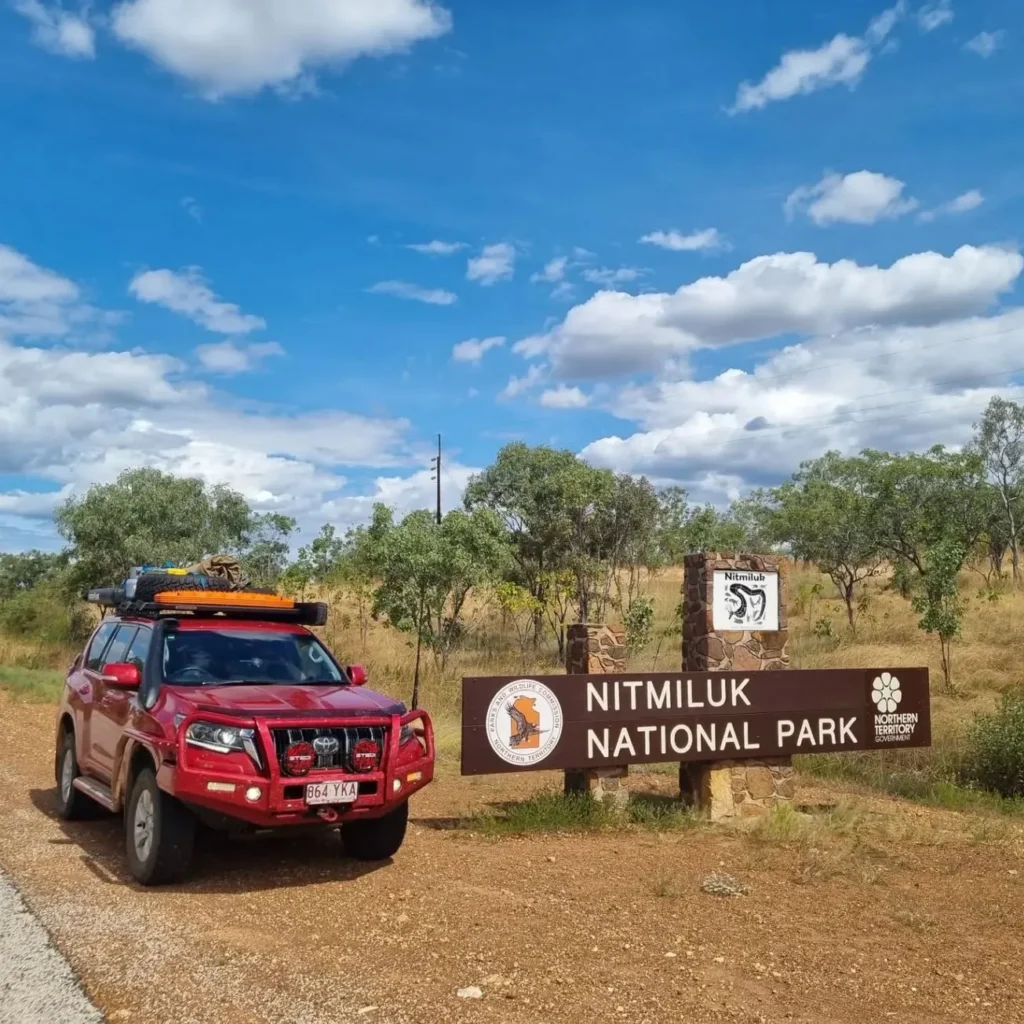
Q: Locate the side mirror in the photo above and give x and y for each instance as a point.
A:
(357, 674)
(122, 675)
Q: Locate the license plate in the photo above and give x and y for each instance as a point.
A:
(331, 792)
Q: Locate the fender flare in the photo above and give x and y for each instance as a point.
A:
(122, 767)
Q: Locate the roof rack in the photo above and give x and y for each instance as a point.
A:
(239, 604)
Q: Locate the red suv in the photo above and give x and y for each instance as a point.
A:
(225, 709)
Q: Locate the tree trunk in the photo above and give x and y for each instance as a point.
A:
(1015, 557)
(946, 647)
(419, 648)
(847, 591)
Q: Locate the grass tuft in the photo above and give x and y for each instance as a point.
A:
(42, 686)
(554, 812)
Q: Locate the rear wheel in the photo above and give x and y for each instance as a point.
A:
(376, 838)
(159, 833)
(72, 804)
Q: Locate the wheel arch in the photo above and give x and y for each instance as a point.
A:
(134, 758)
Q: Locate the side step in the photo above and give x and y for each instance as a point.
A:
(97, 791)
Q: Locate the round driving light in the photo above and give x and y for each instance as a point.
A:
(396, 785)
(298, 759)
(365, 756)
(253, 793)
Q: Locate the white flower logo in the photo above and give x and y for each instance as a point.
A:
(886, 693)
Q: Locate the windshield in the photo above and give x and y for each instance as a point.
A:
(197, 657)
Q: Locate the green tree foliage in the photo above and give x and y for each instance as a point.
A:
(565, 516)
(996, 746)
(265, 550)
(824, 514)
(938, 600)
(425, 571)
(147, 516)
(684, 529)
(999, 442)
(19, 573)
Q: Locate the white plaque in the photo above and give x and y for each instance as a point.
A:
(745, 600)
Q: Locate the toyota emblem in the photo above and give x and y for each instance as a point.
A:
(326, 745)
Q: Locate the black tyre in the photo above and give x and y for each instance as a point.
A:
(159, 833)
(72, 804)
(376, 838)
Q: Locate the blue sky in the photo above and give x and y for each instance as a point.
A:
(701, 242)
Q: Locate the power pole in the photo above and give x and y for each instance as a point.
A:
(435, 464)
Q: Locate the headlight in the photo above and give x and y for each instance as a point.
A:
(222, 739)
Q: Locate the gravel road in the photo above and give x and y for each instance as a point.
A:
(884, 911)
(37, 985)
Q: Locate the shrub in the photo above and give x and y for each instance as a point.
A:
(996, 749)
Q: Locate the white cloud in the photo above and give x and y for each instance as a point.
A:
(841, 61)
(563, 397)
(495, 263)
(72, 419)
(473, 350)
(608, 277)
(405, 290)
(519, 385)
(863, 197)
(708, 238)
(563, 292)
(554, 270)
(935, 15)
(237, 47)
(188, 294)
(437, 248)
(404, 494)
(54, 29)
(963, 203)
(193, 209)
(615, 333)
(37, 302)
(984, 44)
(228, 358)
(897, 388)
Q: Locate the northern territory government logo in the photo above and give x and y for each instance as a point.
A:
(891, 726)
(524, 722)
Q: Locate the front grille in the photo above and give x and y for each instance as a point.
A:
(346, 736)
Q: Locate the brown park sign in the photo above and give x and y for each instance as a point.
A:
(512, 723)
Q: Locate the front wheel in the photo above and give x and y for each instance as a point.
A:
(376, 838)
(159, 833)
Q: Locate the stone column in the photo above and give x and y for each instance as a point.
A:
(725, 789)
(590, 650)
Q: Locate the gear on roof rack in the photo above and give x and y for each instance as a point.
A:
(195, 590)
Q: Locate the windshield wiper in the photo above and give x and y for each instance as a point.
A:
(274, 682)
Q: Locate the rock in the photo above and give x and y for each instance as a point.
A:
(472, 992)
(760, 782)
(365, 1010)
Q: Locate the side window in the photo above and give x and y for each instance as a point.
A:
(139, 647)
(94, 657)
(119, 645)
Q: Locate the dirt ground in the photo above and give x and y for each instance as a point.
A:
(879, 910)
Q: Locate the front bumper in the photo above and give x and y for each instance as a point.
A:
(227, 784)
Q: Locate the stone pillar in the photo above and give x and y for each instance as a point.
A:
(724, 789)
(590, 650)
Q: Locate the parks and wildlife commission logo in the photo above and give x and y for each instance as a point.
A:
(524, 722)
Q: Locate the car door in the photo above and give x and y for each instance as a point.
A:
(84, 682)
(111, 705)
